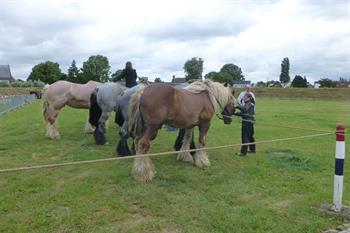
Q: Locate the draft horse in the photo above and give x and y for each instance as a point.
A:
(180, 108)
(60, 94)
(103, 102)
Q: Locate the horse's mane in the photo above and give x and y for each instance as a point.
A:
(218, 93)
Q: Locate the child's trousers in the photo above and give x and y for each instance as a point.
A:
(247, 136)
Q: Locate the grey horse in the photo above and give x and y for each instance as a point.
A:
(121, 118)
(102, 103)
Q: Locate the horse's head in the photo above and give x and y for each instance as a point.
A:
(144, 80)
(229, 109)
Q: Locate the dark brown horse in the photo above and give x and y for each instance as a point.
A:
(181, 108)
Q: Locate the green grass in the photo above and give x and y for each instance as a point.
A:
(279, 189)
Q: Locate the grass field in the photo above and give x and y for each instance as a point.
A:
(278, 189)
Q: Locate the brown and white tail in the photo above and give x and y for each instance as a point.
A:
(136, 124)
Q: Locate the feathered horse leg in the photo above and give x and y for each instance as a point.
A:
(122, 147)
(179, 141)
(100, 130)
(186, 156)
(201, 158)
(143, 168)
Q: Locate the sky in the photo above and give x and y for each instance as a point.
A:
(159, 36)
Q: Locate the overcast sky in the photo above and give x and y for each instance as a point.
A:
(159, 36)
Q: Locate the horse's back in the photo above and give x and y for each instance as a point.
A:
(156, 102)
(161, 103)
(107, 95)
(73, 94)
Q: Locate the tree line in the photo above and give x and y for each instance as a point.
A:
(97, 68)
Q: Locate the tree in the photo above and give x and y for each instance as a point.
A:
(284, 76)
(299, 81)
(116, 73)
(261, 84)
(220, 77)
(227, 74)
(47, 72)
(64, 76)
(325, 82)
(234, 71)
(74, 74)
(158, 80)
(193, 68)
(96, 68)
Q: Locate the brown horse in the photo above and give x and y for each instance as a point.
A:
(62, 93)
(181, 108)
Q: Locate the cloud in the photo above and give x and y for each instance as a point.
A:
(159, 36)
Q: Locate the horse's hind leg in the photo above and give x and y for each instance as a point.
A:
(201, 157)
(143, 168)
(88, 127)
(51, 130)
(186, 156)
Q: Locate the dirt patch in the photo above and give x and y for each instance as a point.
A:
(344, 214)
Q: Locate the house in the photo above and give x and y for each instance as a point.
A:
(343, 83)
(176, 81)
(5, 74)
(273, 83)
(317, 84)
(240, 84)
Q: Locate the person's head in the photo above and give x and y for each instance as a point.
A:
(248, 98)
(248, 88)
(128, 65)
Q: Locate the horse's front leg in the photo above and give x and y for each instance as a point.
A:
(186, 156)
(201, 158)
(143, 168)
(100, 130)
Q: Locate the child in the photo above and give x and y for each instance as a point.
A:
(247, 114)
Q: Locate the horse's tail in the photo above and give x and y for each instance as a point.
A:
(95, 111)
(136, 123)
(46, 107)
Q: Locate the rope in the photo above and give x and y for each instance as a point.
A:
(7, 170)
(281, 126)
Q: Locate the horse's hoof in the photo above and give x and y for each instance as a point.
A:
(144, 176)
(143, 169)
(53, 136)
(185, 157)
(201, 160)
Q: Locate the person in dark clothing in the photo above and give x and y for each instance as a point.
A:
(247, 114)
(129, 74)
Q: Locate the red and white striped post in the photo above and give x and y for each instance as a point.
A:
(339, 168)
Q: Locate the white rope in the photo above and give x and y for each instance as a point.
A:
(7, 170)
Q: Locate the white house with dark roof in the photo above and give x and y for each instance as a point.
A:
(240, 84)
(5, 74)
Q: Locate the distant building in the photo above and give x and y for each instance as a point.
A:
(317, 84)
(5, 74)
(309, 85)
(240, 84)
(343, 83)
(273, 83)
(177, 81)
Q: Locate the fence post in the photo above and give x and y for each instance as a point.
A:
(339, 168)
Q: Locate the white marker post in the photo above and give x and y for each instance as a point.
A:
(339, 168)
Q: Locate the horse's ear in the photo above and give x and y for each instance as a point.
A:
(226, 84)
